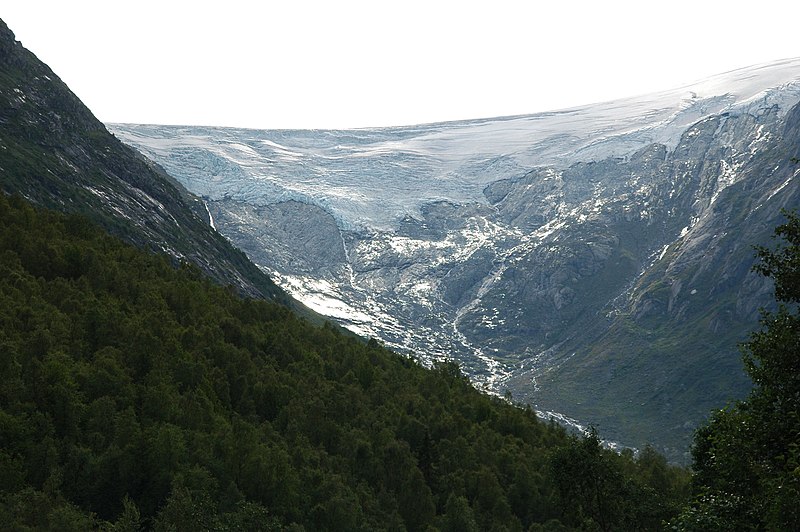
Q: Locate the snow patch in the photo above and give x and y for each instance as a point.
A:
(783, 185)
(210, 218)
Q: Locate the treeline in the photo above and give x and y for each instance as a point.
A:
(135, 396)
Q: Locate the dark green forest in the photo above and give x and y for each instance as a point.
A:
(135, 395)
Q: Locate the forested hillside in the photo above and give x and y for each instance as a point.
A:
(134, 395)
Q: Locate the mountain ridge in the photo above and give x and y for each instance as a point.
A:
(58, 155)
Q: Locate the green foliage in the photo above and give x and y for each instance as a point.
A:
(137, 396)
(610, 491)
(747, 459)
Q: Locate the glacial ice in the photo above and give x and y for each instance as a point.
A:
(369, 179)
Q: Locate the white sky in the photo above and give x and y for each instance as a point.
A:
(343, 64)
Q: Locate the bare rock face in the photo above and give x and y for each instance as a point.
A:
(289, 236)
(596, 262)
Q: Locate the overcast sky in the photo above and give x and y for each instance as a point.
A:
(345, 64)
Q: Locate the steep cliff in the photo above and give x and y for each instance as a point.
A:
(54, 152)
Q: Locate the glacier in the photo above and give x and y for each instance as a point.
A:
(372, 178)
(508, 244)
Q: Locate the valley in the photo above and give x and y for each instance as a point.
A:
(595, 266)
(593, 262)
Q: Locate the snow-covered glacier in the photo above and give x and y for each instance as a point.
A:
(515, 244)
(371, 178)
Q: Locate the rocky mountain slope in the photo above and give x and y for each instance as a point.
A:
(593, 261)
(55, 153)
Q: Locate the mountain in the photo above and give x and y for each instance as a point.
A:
(137, 394)
(55, 153)
(594, 261)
